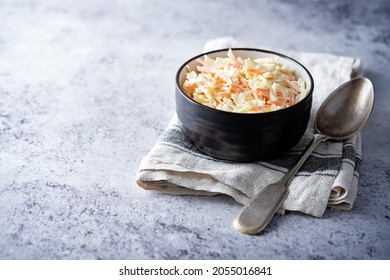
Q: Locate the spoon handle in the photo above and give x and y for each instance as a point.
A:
(317, 138)
(256, 215)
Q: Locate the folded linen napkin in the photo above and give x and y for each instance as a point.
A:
(329, 177)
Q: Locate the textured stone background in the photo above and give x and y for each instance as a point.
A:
(86, 88)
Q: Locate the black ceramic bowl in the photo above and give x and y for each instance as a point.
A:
(243, 137)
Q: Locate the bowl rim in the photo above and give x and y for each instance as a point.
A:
(179, 86)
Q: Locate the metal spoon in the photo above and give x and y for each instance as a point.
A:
(341, 115)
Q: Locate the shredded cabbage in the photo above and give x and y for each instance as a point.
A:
(244, 85)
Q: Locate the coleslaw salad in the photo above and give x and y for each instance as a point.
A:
(242, 85)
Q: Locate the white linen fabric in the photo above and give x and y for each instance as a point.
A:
(328, 178)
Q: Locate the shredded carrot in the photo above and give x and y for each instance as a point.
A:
(255, 71)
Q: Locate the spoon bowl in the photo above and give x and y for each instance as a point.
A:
(346, 110)
(341, 115)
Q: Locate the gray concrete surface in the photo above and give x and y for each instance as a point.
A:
(87, 87)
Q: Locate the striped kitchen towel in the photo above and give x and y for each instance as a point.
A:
(328, 178)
